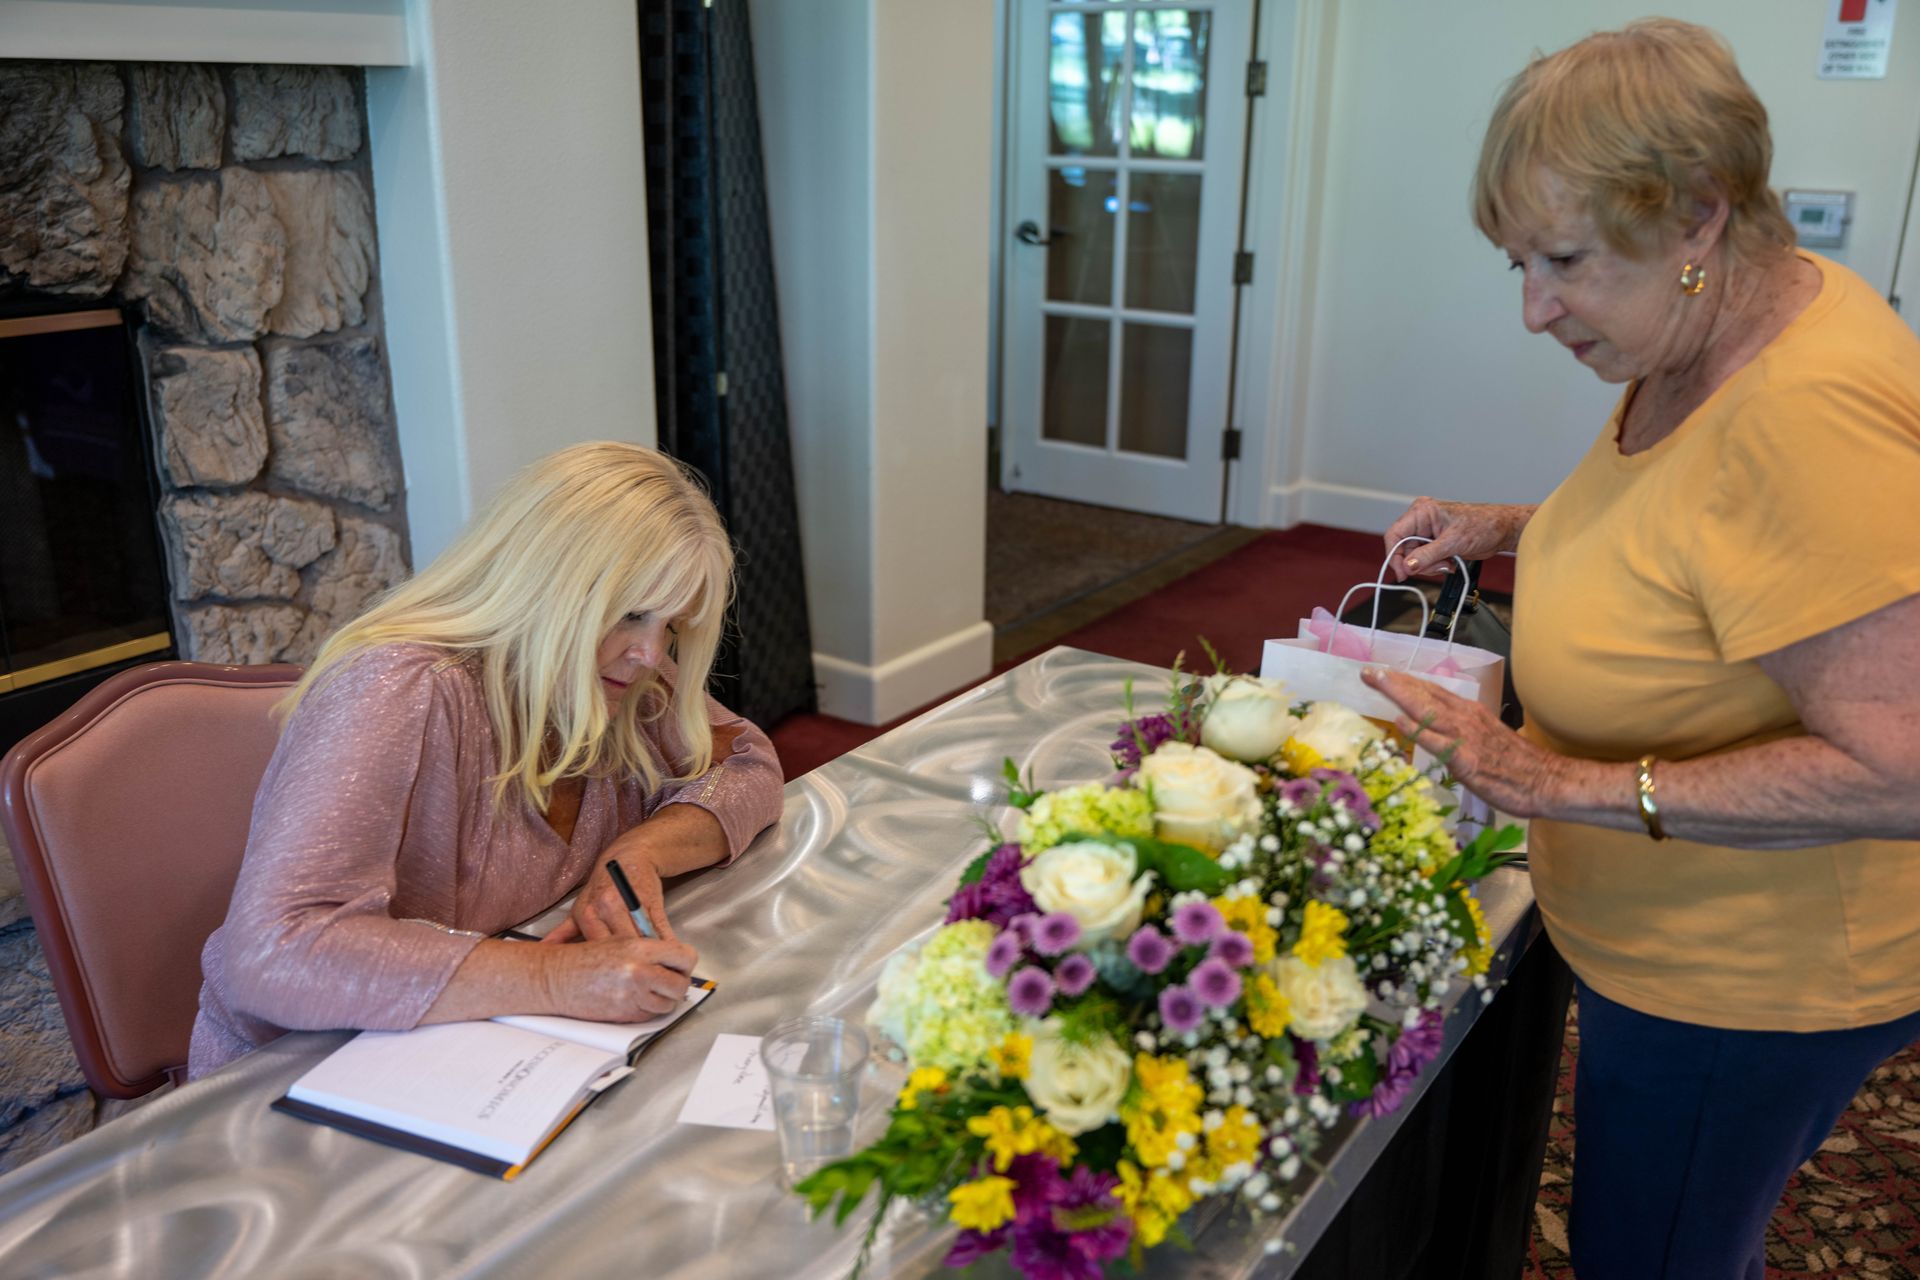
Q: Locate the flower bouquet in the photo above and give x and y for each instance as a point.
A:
(1169, 985)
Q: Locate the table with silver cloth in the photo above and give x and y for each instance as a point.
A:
(207, 1181)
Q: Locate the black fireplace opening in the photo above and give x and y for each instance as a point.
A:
(83, 590)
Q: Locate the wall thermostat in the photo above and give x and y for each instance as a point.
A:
(1820, 218)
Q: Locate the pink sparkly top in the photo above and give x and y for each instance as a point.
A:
(378, 859)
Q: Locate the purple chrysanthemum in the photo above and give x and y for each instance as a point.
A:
(1003, 953)
(1215, 983)
(1030, 991)
(1301, 793)
(1308, 1056)
(997, 896)
(970, 1246)
(1345, 790)
(1149, 949)
(1085, 1195)
(1041, 1251)
(1074, 974)
(1196, 922)
(1055, 932)
(1153, 731)
(1180, 1009)
(1417, 1046)
(1037, 1185)
(1232, 948)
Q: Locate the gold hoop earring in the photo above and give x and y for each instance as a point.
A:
(1692, 279)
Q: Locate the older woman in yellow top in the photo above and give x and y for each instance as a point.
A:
(1717, 642)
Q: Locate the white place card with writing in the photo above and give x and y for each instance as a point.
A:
(731, 1091)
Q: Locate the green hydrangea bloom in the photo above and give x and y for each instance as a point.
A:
(941, 1005)
(1091, 810)
(1413, 828)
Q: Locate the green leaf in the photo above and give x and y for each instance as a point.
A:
(1021, 793)
(1358, 1076)
(975, 869)
(1483, 855)
(1101, 1149)
(1181, 868)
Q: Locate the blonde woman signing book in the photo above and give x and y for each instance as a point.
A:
(479, 744)
(1717, 639)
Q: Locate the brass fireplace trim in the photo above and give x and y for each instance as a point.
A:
(59, 322)
(28, 676)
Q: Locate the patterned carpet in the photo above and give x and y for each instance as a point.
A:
(1850, 1213)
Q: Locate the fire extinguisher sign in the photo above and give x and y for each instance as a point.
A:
(1858, 35)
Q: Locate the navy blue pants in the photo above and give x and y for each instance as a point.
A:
(1685, 1136)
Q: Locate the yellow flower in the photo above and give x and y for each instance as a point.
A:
(1166, 1105)
(1012, 1056)
(1249, 916)
(1016, 1131)
(923, 1080)
(1267, 1010)
(1320, 934)
(982, 1205)
(1152, 1200)
(1236, 1138)
(1300, 758)
(1479, 952)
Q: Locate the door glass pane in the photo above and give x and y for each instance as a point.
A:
(1076, 398)
(1170, 83)
(1080, 209)
(1083, 90)
(1157, 366)
(1163, 240)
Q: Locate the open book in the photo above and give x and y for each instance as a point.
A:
(488, 1096)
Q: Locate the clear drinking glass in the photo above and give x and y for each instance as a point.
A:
(814, 1066)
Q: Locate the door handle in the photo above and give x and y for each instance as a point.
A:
(1028, 232)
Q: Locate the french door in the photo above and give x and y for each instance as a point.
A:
(1126, 121)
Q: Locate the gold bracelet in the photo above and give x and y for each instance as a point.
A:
(1649, 811)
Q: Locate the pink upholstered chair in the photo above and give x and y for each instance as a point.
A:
(127, 817)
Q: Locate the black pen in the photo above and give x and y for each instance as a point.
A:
(628, 896)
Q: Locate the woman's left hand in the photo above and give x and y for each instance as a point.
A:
(600, 912)
(1492, 761)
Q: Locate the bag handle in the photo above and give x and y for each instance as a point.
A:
(1381, 585)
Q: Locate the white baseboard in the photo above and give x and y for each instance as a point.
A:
(1338, 506)
(876, 694)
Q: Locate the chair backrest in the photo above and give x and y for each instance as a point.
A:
(128, 817)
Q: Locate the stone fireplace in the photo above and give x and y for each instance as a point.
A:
(233, 207)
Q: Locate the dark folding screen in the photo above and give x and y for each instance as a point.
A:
(722, 401)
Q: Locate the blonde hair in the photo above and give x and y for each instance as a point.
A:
(1640, 123)
(529, 590)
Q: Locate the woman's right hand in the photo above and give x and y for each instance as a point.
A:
(605, 980)
(1470, 530)
(617, 979)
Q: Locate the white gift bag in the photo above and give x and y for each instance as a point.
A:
(1312, 674)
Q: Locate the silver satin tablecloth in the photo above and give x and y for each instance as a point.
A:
(208, 1182)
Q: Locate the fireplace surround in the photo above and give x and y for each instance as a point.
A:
(228, 211)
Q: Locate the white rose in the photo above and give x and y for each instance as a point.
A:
(1247, 717)
(1336, 734)
(1324, 1000)
(1092, 882)
(1078, 1086)
(1200, 797)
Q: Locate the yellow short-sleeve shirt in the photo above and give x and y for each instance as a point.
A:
(1785, 506)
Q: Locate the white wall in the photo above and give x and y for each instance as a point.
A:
(1418, 377)
(876, 119)
(509, 178)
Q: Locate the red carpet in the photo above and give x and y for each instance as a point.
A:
(1237, 602)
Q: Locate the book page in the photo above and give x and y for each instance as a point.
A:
(612, 1037)
(481, 1086)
